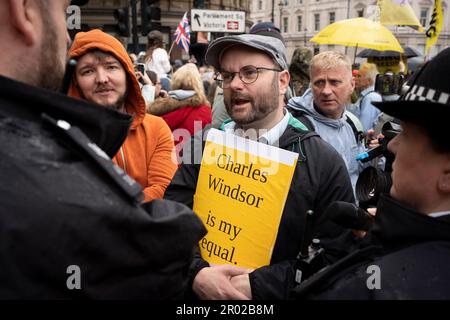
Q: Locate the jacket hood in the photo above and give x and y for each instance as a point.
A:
(181, 94)
(97, 39)
(162, 106)
(306, 103)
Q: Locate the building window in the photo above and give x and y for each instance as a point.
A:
(300, 1)
(299, 23)
(317, 22)
(423, 16)
(260, 3)
(332, 16)
(285, 24)
(360, 13)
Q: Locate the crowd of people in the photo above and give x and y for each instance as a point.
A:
(105, 177)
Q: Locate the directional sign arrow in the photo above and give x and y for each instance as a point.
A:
(197, 17)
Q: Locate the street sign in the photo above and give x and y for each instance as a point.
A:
(217, 20)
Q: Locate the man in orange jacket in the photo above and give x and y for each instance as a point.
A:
(105, 75)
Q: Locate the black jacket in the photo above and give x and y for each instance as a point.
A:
(320, 178)
(410, 250)
(64, 206)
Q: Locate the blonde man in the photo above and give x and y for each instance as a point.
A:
(322, 107)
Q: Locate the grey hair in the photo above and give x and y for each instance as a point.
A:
(329, 60)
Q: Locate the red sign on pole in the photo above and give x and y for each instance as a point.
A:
(232, 25)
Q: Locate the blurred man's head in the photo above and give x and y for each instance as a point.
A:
(266, 29)
(155, 39)
(299, 69)
(332, 83)
(35, 34)
(366, 76)
(421, 169)
(254, 77)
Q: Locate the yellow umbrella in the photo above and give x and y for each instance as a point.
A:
(359, 32)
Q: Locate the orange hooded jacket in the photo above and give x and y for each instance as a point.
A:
(147, 155)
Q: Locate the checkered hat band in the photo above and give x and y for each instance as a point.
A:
(419, 93)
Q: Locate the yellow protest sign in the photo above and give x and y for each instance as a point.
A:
(385, 64)
(241, 191)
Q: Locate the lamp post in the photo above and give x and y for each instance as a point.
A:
(280, 5)
(304, 38)
(273, 9)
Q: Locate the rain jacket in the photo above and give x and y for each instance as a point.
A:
(409, 259)
(147, 154)
(320, 177)
(70, 221)
(336, 132)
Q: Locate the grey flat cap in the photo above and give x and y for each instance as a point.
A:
(269, 45)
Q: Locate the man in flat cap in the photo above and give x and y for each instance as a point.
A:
(252, 70)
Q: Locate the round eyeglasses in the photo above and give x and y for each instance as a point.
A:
(247, 74)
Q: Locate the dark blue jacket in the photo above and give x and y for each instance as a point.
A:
(410, 255)
(67, 213)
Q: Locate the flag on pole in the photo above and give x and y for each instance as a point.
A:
(398, 13)
(434, 29)
(183, 34)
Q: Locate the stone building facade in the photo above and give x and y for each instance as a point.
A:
(100, 14)
(300, 20)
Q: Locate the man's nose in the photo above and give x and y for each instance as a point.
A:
(236, 82)
(101, 75)
(327, 89)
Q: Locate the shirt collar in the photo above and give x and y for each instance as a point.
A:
(439, 214)
(270, 137)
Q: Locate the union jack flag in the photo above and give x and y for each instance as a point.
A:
(183, 34)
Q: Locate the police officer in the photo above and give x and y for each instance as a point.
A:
(410, 252)
(70, 221)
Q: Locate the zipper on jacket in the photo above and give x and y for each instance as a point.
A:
(123, 160)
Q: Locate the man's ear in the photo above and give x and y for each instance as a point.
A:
(24, 14)
(444, 179)
(284, 81)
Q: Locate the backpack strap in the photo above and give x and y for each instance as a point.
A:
(356, 125)
(301, 116)
(363, 97)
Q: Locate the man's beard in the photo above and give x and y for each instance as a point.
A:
(119, 105)
(261, 105)
(50, 69)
